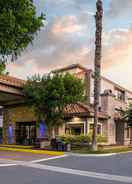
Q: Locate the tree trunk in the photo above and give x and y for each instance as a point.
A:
(97, 68)
(53, 133)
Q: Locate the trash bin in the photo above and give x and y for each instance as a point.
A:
(44, 143)
(60, 146)
(53, 144)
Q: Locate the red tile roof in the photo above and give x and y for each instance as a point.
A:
(11, 81)
(82, 110)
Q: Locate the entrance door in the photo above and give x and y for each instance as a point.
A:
(26, 133)
(119, 132)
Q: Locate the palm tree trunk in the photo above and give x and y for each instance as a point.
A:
(97, 68)
(53, 133)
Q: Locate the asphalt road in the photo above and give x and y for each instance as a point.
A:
(118, 164)
(69, 170)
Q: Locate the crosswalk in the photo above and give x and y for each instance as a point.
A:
(36, 164)
(6, 163)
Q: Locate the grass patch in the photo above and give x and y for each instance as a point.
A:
(104, 151)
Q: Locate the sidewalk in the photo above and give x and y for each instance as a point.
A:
(21, 156)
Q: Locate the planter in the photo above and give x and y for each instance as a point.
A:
(44, 143)
(76, 146)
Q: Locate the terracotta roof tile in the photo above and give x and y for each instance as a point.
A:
(11, 81)
(82, 109)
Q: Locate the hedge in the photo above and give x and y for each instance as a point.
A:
(82, 138)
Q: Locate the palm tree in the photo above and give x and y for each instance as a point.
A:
(97, 68)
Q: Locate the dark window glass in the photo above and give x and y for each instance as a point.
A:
(120, 95)
(1, 112)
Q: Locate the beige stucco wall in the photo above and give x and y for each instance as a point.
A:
(108, 106)
(13, 115)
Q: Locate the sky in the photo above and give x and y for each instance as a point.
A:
(68, 37)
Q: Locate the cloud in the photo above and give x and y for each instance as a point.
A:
(68, 38)
(67, 25)
(120, 7)
(60, 43)
(117, 59)
(117, 47)
(72, 4)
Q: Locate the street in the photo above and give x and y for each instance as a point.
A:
(67, 169)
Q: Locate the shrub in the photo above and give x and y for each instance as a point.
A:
(82, 138)
(101, 138)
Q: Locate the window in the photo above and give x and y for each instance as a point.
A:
(120, 94)
(67, 131)
(91, 128)
(76, 130)
(99, 129)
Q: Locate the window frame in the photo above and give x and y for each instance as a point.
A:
(101, 126)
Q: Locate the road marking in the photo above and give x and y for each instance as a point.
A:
(7, 165)
(46, 159)
(91, 155)
(33, 164)
(103, 176)
(5, 162)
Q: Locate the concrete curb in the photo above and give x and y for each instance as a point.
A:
(97, 155)
(45, 152)
(91, 155)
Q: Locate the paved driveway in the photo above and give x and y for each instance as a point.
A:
(24, 175)
(11, 155)
(69, 170)
(118, 164)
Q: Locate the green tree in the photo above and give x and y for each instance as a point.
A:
(49, 96)
(3, 69)
(18, 25)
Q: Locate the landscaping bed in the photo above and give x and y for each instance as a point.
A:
(79, 142)
(103, 150)
(82, 144)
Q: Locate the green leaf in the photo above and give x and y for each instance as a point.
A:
(18, 27)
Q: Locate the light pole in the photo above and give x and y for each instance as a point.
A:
(97, 68)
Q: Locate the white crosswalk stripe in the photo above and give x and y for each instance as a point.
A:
(97, 175)
(108, 177)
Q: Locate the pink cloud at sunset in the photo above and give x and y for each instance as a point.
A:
(66, 25)
(69, 37)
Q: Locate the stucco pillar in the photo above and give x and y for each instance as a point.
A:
(85, 127)
(108, 106)
(7, 120)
